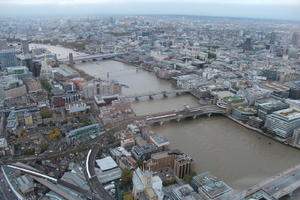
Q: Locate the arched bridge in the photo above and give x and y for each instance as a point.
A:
(163, 93)
(188, 112)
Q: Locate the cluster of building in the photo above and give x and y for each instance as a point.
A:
(249, 68)
(38, 94)
(158, 171)
(262, 110)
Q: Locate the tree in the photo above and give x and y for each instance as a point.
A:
(45, 84)
(51, 123)
(212, 55)
(140, 163)
(188, 178)
(169, 182)
(24, 133)
(54, 133)
(46, 113)
(29, 151)
(44, 147)
(126, 178)
(128, 197)
(85, 121)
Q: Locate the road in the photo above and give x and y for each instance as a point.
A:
(91, 176)
(98, 191)
(78, 148)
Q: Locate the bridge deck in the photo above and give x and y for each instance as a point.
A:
(277, 186)
(158, 93)
(209, 109)
(89, 57)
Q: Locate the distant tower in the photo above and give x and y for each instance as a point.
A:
(71, 61)
(25, 47)
(8, 58)
(3, 44)
(295, 39)
(107, 76)
(247, 45)
(273, 38)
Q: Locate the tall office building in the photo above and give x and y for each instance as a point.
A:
(296, 39)
(296, 137)
(273, 38)
(8, 58)
(283, 122)
(3, 44)
(183, 165)
(36, 68)
(247, 45)
(25, 47)
(71, 60)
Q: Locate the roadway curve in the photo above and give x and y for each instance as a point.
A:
(91, 176)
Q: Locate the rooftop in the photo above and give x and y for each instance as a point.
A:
(159, 141)
(183, 191)
(246, 109)
(106, 163)
(290, 113)
(210, 185)
(3, 143)
(233, 99)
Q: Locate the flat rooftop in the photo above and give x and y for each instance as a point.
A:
(290, 113)
(209, 184)
(106, 163)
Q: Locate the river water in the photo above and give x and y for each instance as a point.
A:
(138, 82)
(237, 155)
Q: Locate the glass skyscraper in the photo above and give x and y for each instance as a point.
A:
(8, 58)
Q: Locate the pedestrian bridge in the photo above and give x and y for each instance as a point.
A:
(151, 95)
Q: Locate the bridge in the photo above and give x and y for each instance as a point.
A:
(88, 58)
(275, 187)
(187, 112)
(163, 93)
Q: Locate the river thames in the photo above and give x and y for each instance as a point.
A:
(239, 156)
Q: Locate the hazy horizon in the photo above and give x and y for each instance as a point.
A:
(262, 9)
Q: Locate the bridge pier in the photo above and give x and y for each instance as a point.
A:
(161, 123)
(136, 98)
(150, 97)
(178, 119)
(194, 116)
(165, 95)
(209, 114)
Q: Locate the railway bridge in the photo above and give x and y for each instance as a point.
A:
(89, 58)
(187, 112)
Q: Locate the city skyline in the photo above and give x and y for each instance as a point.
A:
(285, 10)
(169, 103)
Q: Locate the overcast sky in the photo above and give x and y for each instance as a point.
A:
(271, 9)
